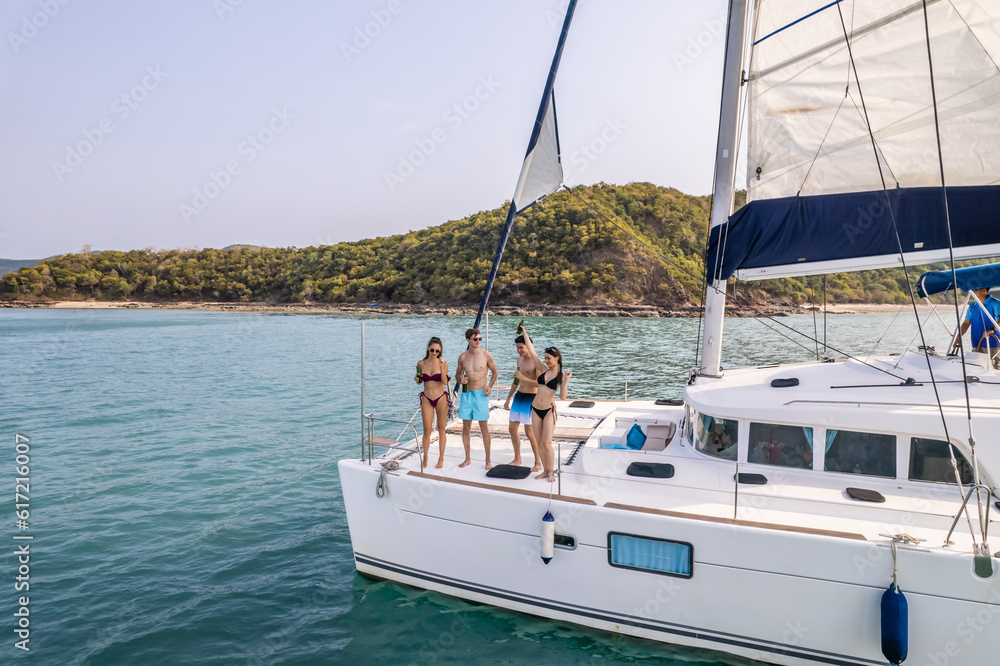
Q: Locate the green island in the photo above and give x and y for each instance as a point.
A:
(637, 244)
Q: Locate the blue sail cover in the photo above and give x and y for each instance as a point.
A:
(800, 231)
(969, 279)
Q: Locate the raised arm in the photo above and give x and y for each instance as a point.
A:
(564, 383)
(539, 363)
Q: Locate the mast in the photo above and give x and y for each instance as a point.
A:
(725, 175)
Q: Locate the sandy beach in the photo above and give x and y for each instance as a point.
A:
(531, 310)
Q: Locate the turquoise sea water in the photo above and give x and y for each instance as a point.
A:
(184, 499)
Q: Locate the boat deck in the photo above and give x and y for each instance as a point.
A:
(591, 475)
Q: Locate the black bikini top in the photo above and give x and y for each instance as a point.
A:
(552, 383)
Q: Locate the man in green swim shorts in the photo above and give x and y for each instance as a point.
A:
(471, 371)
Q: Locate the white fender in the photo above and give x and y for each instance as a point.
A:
(548, 536)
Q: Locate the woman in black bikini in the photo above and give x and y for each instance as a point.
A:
(543, 419)
(432, 372)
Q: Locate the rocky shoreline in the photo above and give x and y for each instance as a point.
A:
(534, 310)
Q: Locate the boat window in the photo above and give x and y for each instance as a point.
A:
(671, 558)
(868, 453)
(717, 437)
(784, 445)
(930, 461)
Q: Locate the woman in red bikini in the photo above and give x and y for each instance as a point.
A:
(432, 372)
(551, 379)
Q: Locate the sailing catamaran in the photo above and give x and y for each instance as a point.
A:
(833, 512)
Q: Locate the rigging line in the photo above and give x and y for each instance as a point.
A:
(759, 313)
(880, 157)
(887, 329)
(834, 349)
(774, 330)
(892, 218)
(912, 340)
(815, 329)
(974, 35)
(823, 142)
(786, 27)
(951, 253)
(824, 314)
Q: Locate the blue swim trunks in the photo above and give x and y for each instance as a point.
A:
(475, 406)
(520, 408)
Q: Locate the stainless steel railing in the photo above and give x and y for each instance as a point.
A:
(370, 441)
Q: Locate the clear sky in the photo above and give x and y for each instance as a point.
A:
(202, 123)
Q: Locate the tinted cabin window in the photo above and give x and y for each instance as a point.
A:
(783, 445)
(866, 453)
(930, 461)
(717, 437)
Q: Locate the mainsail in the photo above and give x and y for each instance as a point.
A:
(842, 148)
(541, 171)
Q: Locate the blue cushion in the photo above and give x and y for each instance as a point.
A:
(615, 446)
(635, 437)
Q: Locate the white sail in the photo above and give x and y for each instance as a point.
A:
(541, 172)
(807, 126)
(825, 79)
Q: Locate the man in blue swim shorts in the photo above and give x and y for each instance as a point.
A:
(471, 371)
(523, 391)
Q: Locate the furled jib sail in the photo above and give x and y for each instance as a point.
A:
(815, 189)
(541, 171)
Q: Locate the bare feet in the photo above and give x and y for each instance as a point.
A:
(543, 475)
(489, 465)
(425, 462)
(440, 463)
(516, 462)
(552, 478)
(466, 463)
(536, 467)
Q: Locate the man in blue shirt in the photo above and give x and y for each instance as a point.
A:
(984, 332)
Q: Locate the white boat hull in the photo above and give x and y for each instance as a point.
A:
(780, 596)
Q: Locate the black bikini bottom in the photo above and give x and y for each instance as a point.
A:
(542, 413)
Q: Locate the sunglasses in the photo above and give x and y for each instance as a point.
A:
(476, 338)
(434, 351)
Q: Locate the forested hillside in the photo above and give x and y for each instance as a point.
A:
(591, 246)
